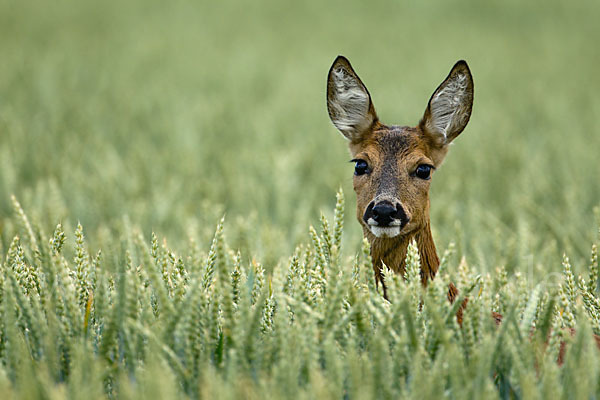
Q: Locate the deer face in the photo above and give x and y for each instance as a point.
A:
(391, 179)
(394, 164)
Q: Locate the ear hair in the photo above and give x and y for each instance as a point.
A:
(449, 108)
(348, 101)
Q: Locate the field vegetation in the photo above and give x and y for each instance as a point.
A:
(177, 216)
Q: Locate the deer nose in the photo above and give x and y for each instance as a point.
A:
(385, 214)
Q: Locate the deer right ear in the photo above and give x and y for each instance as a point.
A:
(450, 106)
(348, 101)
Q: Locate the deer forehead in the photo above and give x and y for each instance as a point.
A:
(393, 146)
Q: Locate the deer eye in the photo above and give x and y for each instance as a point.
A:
(361, 167)
(423, 171)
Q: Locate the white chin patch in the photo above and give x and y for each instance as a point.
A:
(382, 232)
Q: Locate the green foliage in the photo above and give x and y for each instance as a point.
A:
(127, 123)
(313, 327)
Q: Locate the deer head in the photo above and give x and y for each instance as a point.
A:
(394, 164)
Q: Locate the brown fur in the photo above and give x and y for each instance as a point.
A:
(413, 194)
(393, 153)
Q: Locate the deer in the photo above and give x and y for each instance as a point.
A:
(394, 164)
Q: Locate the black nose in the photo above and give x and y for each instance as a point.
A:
(384, 213)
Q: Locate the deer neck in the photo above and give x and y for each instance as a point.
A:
(392, 253)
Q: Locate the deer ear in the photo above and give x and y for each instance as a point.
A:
(450, 106)
(348, 101)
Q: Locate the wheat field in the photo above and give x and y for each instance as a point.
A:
(177, 217)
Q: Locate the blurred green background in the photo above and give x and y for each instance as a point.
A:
(170, 114)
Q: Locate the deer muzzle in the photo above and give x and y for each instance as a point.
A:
(385, 218)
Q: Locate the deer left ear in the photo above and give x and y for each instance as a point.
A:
(348, 101)
(450, 106)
